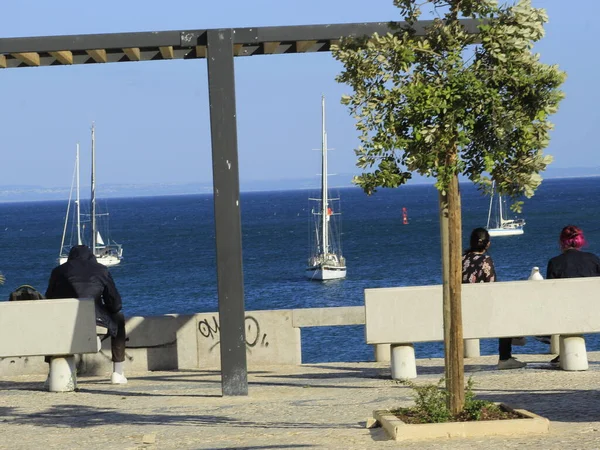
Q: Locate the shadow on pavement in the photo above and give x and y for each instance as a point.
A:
(560, 405)
(81, 416)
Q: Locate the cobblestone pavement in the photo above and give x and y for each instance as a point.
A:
(290, 407)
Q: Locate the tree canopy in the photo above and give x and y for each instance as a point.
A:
(450, 102)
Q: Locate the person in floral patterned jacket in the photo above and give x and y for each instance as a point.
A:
(477, 267)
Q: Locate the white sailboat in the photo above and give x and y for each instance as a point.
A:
(108, 254)
(498, 225)
(326, 261)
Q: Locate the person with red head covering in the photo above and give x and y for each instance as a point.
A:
(572, 261)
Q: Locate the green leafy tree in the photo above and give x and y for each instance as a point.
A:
(451, 101)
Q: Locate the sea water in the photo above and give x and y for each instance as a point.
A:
(169, 263)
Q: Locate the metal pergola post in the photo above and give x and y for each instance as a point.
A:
(228, 226)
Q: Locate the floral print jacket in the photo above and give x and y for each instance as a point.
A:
(477, 268)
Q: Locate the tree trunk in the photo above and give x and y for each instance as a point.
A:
(451, 234)
(445, 241)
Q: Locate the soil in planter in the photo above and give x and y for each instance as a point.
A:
(485, 412)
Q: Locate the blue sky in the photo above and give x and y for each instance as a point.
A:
(152, 118)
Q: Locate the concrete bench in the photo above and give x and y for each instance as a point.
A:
(404, 315)
(56, 328)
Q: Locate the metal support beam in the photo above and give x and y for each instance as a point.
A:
(228, 228)
(190, 44)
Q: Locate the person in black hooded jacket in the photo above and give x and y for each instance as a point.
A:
(83, 277)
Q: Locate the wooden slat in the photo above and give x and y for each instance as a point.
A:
(98, 55)
(270, 47)
(237, 49)
(31, 58)
(63, 57)
(132, 53)
(200, 51)
(2, 62)
(302, 46)
(166, 52)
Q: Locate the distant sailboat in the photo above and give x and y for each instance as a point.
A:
(108, 254)
(326, 261)
(498, 225)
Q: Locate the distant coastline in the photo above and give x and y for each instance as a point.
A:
(32, 193)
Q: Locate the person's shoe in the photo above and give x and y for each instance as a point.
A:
(118, 378)
(555, 360)
(519, 340)
(510, 363)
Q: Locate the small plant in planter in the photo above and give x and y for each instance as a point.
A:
(431, 406)
(431, 417)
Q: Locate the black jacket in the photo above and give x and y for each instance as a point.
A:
(573, 264)
(83, 277)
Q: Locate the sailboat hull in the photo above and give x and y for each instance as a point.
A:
(321, 273)
(105, 260)
(505, 231)
(108, 260)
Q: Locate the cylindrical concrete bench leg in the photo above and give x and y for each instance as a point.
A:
(63, 375)
(404, 365)
(472, 348)
(573, 355)
(555, 344)
(382, 352)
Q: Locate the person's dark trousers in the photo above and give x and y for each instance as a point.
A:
(505, 348)
(117, 343)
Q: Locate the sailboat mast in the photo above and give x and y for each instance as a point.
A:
(490, 210)
(77, 201)
(93, 194)
(500, 205)
(324, 200)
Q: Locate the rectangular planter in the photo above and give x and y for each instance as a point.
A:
(400, 431)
